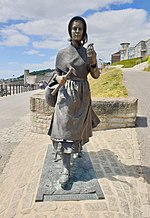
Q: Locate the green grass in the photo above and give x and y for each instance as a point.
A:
(148, 60)
(131, 62)
(147, 68)
(108, 85)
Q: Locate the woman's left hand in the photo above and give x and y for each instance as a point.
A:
(91, 54)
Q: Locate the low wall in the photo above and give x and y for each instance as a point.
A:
(113, 113)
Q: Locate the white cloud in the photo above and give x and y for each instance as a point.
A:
(34, 52)
(51, 44)
(11, 37)
(37, 9)
(108, 29)
(44, 25)
(38, 66)
(31, 52)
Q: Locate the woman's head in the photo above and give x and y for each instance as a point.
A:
(77, 30)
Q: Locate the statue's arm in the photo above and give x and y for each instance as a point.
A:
(91, 54)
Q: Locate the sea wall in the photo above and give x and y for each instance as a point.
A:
(113, 113)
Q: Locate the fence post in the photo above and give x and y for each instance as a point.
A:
(6, 89)
(10, 88)
(21, 88)
(1, 90)
(13, 89)
(16, 89)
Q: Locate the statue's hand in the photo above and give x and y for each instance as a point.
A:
(61, 79)
(91, 54)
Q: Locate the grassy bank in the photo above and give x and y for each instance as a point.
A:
(131, 62)
(147, 68)
(108, 85)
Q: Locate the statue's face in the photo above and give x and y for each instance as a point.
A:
(77, 31)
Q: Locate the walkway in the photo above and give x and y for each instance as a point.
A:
(116, 159)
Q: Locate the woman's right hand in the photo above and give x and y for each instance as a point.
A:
(61, 80)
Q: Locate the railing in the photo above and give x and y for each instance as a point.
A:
(12, 89)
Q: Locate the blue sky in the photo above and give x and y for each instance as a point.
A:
(32, 32)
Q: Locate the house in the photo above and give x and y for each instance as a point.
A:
(115, 57)
(148, 46)
(124, 51)
(141, 49)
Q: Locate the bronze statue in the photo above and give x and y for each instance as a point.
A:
(73, 118)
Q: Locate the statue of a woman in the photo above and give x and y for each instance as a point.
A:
(73, 117)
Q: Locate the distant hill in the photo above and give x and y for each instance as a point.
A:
(42, 72)
(38, 72)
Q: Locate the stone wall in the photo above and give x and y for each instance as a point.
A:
(113, 113)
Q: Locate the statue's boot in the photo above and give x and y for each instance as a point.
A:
(66, 169)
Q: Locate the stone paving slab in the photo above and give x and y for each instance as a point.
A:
(115, 156)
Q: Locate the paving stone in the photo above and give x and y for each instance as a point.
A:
(143, 198)
(25, 216)
(126, 188)
(136, 202)
(22, 182)
(137, 213)
(142, 187)
(40, 216)
(107, 169)
(26, 211)
(96, 166)
(99, 173)
(12, 209)
(107, 189)
(2, 215)
(117, 170)
(146, 211)
(94, 215)
(76, 215)
(96, 206)
(108, 215)
(71, 207)
(3, 206)
(121, 194)
(121, 215)
(57, 215)
(17, 195)
(113, 204)
(32, 185)
(46, 206)
(27, 200)
(124, 206)
(117, 185)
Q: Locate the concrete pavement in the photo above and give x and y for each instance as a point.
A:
(116, 159)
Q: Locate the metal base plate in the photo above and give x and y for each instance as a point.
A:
(83, 184)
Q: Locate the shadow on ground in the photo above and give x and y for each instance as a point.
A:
(107, 164)
(141, 122)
